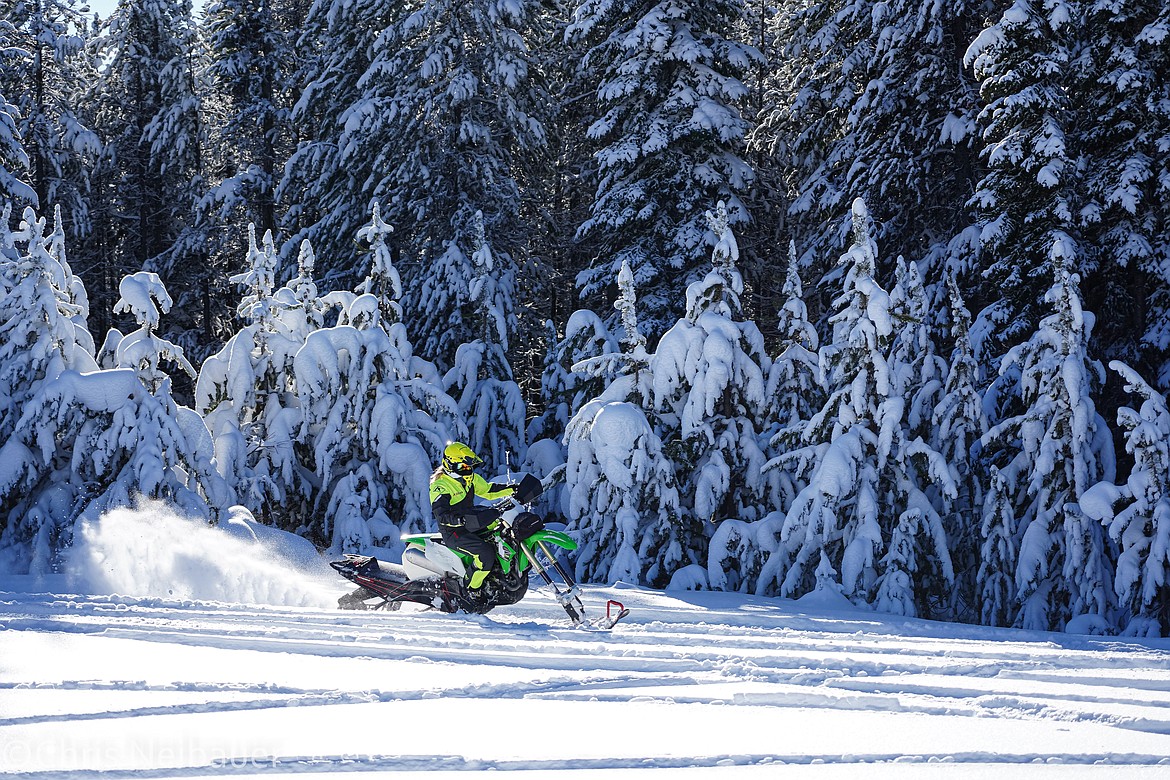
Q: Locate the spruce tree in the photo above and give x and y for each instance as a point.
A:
(1137, 512)
(871, 486)
(383, 280)
(794, 391)
(373, 418)
(444, 138)
(14, 162)
(913, 348)
(792, 384)
(248, 81)
(147, 114)
(578, 368)
(870, 99)
(1048, 455)
(1126, 99)
(620, 487)
(481, 376)
(958, 423)
(835, 515)
(42, 327)
(88, 441)
(326, 186)
(557, 186)
(709, 386)
(669, 137)
(247, 392)
(143, 351)
(249, 70)
(42, 49)
(1028, 198)
(998, 556)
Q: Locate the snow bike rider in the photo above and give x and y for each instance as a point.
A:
(465, 526)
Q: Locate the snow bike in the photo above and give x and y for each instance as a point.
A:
(433, 574)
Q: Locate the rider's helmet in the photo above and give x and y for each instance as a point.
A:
(459, 459)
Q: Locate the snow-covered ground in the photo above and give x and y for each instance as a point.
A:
(221, 657)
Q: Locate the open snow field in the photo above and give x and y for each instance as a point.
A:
(264, 677)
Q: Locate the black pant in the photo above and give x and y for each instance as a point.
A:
(480, 549)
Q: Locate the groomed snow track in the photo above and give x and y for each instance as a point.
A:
(715, 684)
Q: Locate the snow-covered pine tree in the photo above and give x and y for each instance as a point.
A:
(559, 183)
(708, 390)
(300, 308)
(1126, 101)
(42, 330)
(145, 298)
(579, 366)
(862, 473)
(346, 410)
(247, 393)
(917, 480)
(917, 574)
(633, 340)
(618, 479)
(735, 557)
(7, 244)
(1049, 455)
(250, 59)
(1027, 198)
(42, 52)
(249, 69)
(442, 124)
(1137, 513)
(620, 484)
(835, 514)
(383, 280)
(590, 357)
(870, 99)
(792, 383)
(326, 183)
(958, 423)
(259, 283)
(14, 162)
(913, 349)
(998, 556)
(71, 284)
(374, 420)
(481, 376)
(87, 442)
(148, 116)
(895, 586)
(669, 136)
(794, 391)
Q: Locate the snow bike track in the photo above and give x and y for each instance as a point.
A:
(710, 683)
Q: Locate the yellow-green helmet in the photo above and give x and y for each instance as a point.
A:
(459, 459)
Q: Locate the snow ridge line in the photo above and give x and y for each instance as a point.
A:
(252, 765)
(291, 697)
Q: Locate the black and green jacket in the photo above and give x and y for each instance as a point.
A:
(453, 500)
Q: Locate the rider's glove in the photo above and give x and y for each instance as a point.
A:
(479, 518)
(500, 487)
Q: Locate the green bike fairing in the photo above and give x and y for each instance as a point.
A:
(544, 535)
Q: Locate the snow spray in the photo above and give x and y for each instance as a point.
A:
(151, 551)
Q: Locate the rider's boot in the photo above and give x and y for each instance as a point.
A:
(451, 594)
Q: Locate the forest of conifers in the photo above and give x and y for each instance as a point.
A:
(871, 297)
